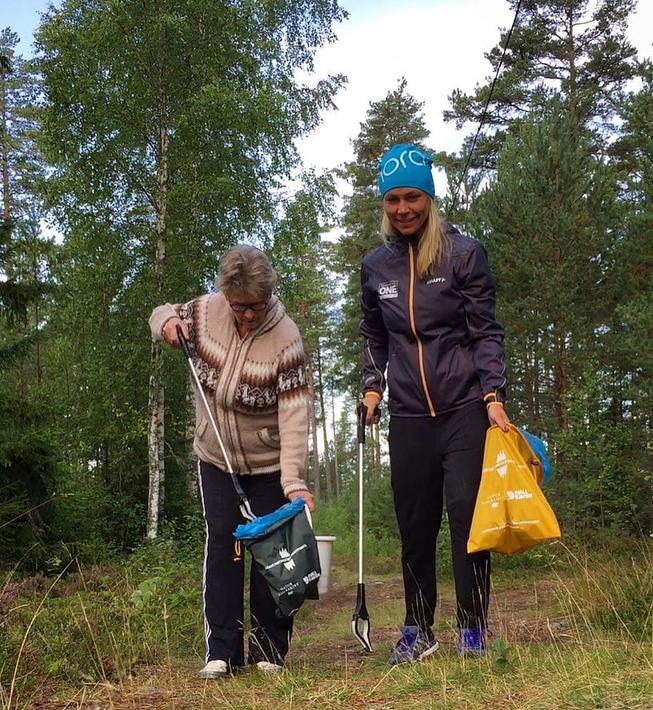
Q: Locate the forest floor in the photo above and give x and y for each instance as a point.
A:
(543, 653)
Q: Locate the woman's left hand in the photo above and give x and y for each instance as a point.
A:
(308, 498)
(497, 415)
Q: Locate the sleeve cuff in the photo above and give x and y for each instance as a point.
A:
(292, 486)
(374, 392)
(493, 397)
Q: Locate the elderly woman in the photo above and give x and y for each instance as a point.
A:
(249, 357)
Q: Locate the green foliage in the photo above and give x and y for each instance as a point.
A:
(167, 128)
(549, 222)
(576, 48)
(98, 623)
(602, 482)
(301, 257)
(340, 518)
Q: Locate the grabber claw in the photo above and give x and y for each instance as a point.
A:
(360, 620)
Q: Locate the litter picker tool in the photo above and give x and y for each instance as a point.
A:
(360, 620)
(245, 507)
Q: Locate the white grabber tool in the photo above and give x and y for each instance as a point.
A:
(360, 620)
(245, 508)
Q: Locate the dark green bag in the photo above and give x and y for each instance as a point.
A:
(284, 550)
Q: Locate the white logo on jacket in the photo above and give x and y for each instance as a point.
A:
(388, 289)
(436, 280)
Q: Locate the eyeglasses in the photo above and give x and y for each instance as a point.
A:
(242, 307)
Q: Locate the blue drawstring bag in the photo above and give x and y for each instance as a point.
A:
(539, 449)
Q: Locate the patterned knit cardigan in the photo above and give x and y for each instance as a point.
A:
(256, 387)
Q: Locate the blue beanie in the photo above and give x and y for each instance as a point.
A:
(406, 165)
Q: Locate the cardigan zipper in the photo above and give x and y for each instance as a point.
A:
(411, 313)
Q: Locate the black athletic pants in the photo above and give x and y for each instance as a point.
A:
(224, 573)
(433, 458)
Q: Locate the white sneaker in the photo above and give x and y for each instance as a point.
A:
(213, 670)
(268, 667)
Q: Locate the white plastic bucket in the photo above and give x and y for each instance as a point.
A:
(324, 549)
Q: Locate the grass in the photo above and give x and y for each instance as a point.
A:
(573, 629)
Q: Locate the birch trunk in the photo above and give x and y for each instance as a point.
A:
(155, 440)
(156, 463)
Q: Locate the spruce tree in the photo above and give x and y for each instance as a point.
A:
(28, 453)
(397, 118)
(301, 257)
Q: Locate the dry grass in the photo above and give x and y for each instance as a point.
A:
(568, 640)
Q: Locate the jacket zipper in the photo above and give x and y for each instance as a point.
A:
(411, 313)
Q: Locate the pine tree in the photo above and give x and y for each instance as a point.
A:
(576, 48)
(548, 220)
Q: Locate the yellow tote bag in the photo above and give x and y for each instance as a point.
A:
(511, 512)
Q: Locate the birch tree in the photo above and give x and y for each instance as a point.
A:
(168, 125)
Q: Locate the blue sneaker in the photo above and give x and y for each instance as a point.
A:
(471, 642)
(415, 644)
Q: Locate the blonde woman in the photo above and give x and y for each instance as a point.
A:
(428, 318)
(250, 361)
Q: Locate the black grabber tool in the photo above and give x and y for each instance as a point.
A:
(245, 507)
(360, 620)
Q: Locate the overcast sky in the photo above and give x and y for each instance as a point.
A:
(438, 45)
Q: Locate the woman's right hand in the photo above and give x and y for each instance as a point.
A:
(371, 402)
(169, 331)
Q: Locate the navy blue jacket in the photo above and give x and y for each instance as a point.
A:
(437, 336)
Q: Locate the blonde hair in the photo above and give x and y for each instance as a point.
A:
(433, 245)
(245, 269)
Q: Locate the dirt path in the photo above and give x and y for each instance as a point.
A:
(516, 615)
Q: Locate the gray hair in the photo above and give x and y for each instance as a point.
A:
(245, 269)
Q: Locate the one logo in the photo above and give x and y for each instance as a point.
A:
(393, 164)
(501, 465)
(388, 289)
(437, 280)
(289, 563)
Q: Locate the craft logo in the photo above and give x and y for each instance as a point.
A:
(311, 577)
(501, 465)
(289, 563)
(437, 280)
(389, 289)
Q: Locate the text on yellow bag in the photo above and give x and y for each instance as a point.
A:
(511, 512)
